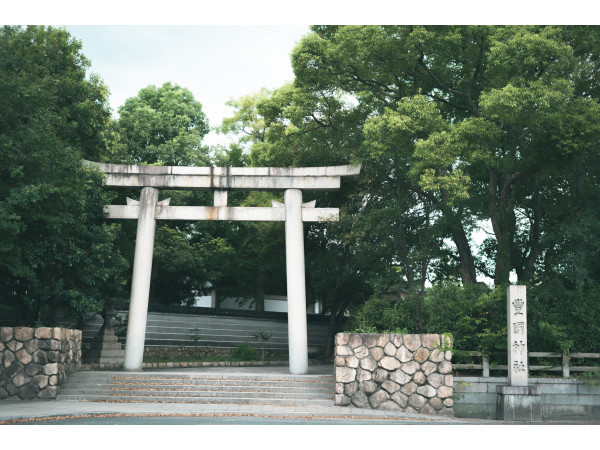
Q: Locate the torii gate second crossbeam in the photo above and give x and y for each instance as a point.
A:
(221, 180)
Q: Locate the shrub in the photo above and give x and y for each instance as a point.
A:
(262, 336)
(474, 314)
(378, 315)
(244, 352)
(558, 317)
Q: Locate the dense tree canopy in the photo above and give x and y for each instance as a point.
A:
(54, 247)
(164, 126)
(492, 124)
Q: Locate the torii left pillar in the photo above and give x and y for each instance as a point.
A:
(296, 286)
(140, 282)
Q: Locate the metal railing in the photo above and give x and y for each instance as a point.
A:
(563, 366)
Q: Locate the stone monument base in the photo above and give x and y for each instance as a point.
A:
(105, 348)
(518, 404)
(105, 351)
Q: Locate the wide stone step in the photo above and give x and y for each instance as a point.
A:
(106, 353)
(220, 395)
(99, 388)
(211, 400)
(216, 377)
(172, 329)
(231, 386)
(214, 394)
(280, 390)
(220, 381)
(276, 389)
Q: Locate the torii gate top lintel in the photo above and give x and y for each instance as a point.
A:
(239, 178)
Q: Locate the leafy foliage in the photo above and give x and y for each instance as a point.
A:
(473, 314)
(54, 248)
(558, 319)
(566, 317)
(501, 124)
(244, 352)
(184, 264)
(262, 337)
(457, 127)
(163, 126)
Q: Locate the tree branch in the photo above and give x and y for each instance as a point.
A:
(443, 86)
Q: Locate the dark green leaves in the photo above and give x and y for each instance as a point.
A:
(164, 126)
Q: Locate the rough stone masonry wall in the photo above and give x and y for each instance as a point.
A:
(409, 372)
(36, 362)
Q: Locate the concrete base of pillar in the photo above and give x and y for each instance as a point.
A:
(518, 404)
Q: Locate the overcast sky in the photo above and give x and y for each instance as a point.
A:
(239, 46)
(216, 63)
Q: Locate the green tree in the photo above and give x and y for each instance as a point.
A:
(518, 118)
(54, 248)
(457, 128)
(164, 126)
(184, 264)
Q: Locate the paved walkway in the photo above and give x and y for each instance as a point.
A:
(33, 411)
(11, 412)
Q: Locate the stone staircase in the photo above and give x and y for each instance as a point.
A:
(156, 387)
(175, 330)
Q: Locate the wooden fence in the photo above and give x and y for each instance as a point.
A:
(564, 364)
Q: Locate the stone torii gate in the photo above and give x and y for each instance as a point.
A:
(221, 179)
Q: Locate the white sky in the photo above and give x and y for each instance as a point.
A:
(216, 63)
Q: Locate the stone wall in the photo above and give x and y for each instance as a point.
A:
(410, 372)
(36, 362)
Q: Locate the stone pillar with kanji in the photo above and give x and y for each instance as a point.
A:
(517, 401)
(517, 336)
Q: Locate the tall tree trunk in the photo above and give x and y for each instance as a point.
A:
(535, 248)
(466, 267)
(501, 198)
(497, 212)
(424, 269)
